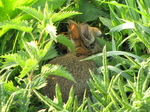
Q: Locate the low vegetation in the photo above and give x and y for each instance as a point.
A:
(31, 32)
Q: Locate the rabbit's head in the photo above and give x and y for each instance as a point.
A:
(84, 38)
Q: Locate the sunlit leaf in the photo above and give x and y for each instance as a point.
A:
(30, 65)
(33, 12)
(128, 25)
(63, 40)
(16, 24)
(56, 70)
(38, 82)
(62, 15)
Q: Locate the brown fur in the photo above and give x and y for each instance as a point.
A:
(79, 70)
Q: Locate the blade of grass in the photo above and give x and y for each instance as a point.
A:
(105, 71)
(111, 53)
(9, 102)
(69, 103)
(140, 81)
(47, 101)
(58, 95)
(122, 92)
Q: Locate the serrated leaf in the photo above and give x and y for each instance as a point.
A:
(51, 29)
(32, 49)
(12, 60)
(51, 53)
(30, 64)
(47, 101)
(9, 87)
(63, 40)
(56, 70)
(33, 12)
(48, 52)
(38, 82)
(16, 24)
(54, 4)
(62, 15)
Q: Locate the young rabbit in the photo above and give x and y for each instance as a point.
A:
(84, 39)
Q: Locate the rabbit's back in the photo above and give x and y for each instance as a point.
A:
(78, 69)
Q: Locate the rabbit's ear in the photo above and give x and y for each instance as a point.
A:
(74, 30)
(86, 34)
(75, 35)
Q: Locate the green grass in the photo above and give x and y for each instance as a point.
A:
(29, 32)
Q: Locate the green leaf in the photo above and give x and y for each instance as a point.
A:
(9, 87)
(51, 29)
(32, 49)
(75, 104)
(38, 82)
(9, 103)
(123, 92)
(143, 28)
(54, 4)
(111, 53)
(117, 97)
(127, 25)
(47, 101)
(140, 80)
(33, 12)
(56, 70)
(97, 97)
(30, 65)
(48, 52)
(12, 60)
(15, 24)
(83, 107)
(90, 11)
(9, 9)
(105, 71)
(2, 94)
(122, 73)
(63, 40)
(58, 94)
(69, 103)
(63, 15)
(106, 22)
(126, 6)
(103, 42)
(98, 83)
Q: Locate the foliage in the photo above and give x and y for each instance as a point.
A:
(25, 67)
(129, 22)
(120, 93)
(29, 33)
